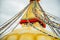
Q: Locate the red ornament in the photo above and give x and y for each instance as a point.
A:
(32, 21)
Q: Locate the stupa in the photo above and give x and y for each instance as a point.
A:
(32, 23)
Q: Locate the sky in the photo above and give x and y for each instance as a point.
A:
(8, 8)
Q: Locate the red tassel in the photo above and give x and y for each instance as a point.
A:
(23, 21)
(32, 21)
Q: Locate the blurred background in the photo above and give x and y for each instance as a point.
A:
(8, 8)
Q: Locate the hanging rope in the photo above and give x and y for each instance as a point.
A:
(38, 29)
(9, 23)
(49, 21)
